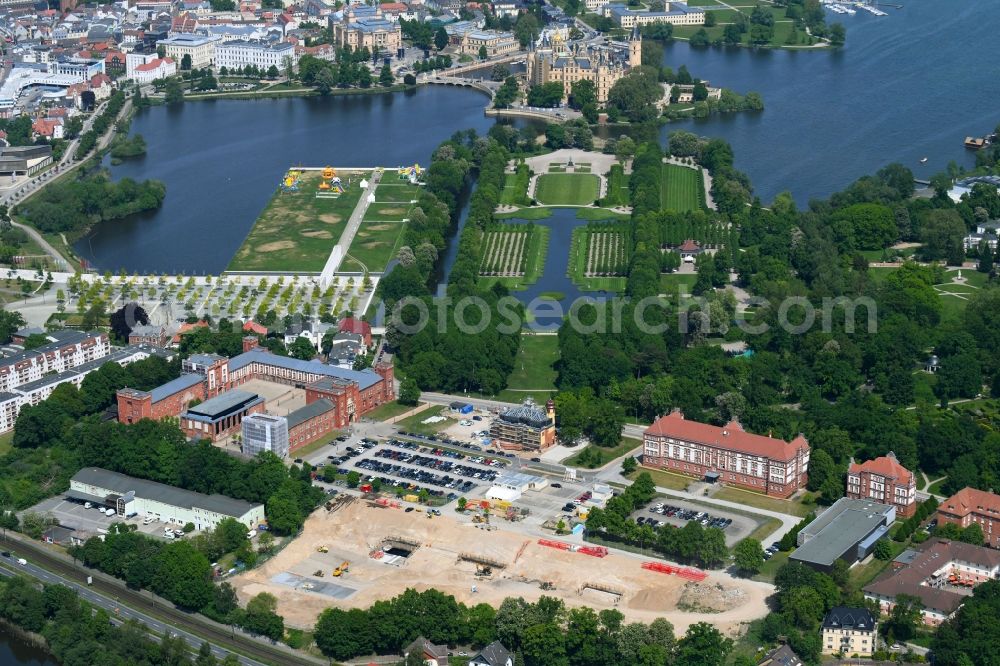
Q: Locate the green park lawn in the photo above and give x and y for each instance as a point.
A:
(671, 283)
(389, 410)
(415, 423)
(373, 246)
(533, 366)
(599, 214)
(783, 26)
(681, 188)
(534, 213)
(664, 479)
(297, 230)
(567, 189)
(391, 190)
(515, 189)
(591, 456)
(750, 498)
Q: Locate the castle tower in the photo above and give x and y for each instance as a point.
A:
(635, 48)
(550, 410)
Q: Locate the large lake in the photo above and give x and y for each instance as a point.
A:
(909, 85)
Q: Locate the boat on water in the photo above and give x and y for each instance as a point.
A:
(976, 142)
(923, 160)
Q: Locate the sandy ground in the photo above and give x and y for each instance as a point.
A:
(354, 531)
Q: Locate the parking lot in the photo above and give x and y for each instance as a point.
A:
(678, 513)
(92, 521)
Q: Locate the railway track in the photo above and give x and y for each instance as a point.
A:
(190, 622)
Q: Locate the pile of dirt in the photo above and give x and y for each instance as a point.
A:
(710, 598)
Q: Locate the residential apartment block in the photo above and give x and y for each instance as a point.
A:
(727, 454)
(67, 350)
(970, 506)
(849, 631)
(884, 480)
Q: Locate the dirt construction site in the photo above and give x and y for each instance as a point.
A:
(386, 550)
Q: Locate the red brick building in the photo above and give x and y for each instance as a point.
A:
(205, 376)
(885, 481)
(969, 506)
(727, 454)
(309, 423)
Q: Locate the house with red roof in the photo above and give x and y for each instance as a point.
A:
(186, 328)
(253, 327)
(886, 481)
(358, 327)
(50, 128)
(157, 68)
(726, 454)
(971, 506)
(101, 85)
(688, 250)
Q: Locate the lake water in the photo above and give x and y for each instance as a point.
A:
(909, 85)
(223, 159)
(15, 651)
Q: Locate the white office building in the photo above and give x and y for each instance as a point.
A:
(129, 496)
(265, 432)
(243, 53)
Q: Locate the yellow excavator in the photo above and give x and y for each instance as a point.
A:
(342, 569)
(322, 549)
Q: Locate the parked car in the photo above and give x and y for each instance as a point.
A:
(536, 460)
(556, 485)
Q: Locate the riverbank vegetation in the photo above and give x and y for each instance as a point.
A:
(128, 147)
(74, 206)
(102, 123)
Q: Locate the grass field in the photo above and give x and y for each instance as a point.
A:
(536, 213)
(618, 193)
(666, 479)
(567, 189)
(515, 189)
(389, 410)
(750, 498)
(414, 423)
(671, 283)
(681, 189)
(373, 246)
(315, 446)
(598, 214)
(297, 230)
(391, 190)
(781, 36)
(533, 366)
(591, 457)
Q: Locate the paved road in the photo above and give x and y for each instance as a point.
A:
(157, 613)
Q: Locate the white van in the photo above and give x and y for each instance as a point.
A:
(110, 512)
(251, 534)
(87, 505)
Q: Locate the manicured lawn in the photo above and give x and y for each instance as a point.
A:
(573, 189)
(862, 574)
(389, 410)
(670, 283)
(681, 188)
(598, 214)
(415, 423)
(618, 194)
(373, 246)
(392, 212)
(315, 446)
(515, 189)
(780, 37)
(520, 396)
(392, 191)
(297, 230)
(762, 501)
(533, 366)
(592, 456)
(666, 479)
(535, 213)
